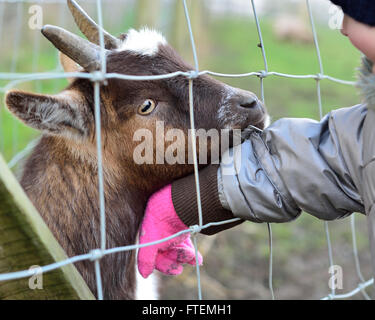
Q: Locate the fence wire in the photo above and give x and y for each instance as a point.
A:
(98, 77)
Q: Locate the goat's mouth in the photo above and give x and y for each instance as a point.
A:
(258, 126)
(246, 133)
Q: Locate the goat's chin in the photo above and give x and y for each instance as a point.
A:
(261, 125)
(246, 133)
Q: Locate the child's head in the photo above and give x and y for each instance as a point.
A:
(361, 35)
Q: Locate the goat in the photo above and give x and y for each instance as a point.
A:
(60, 176)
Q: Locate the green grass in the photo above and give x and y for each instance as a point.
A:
(14, 135)
(236, 43)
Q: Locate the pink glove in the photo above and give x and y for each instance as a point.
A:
(161, 221)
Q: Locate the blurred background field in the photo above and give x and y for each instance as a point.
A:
(235, 261)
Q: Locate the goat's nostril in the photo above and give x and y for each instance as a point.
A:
(249, 104)
(246, 100)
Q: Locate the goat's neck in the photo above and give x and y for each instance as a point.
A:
(64, 188)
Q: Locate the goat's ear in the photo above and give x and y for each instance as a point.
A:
(69, 65)
(63, 114)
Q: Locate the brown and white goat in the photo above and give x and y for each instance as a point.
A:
(60, 176)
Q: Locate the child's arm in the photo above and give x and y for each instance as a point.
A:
(294, 165)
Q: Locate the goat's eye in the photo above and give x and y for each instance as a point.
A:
(146, 107)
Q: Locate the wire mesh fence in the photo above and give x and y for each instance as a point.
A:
(14, 78)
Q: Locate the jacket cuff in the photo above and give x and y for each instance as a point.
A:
(185, 201)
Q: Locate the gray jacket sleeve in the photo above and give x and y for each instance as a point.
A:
(294, 165)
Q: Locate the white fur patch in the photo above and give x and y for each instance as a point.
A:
(267, 122)
(146, 289)
(224, 113)
(145, 41)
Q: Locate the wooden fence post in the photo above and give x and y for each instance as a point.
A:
(25, 241)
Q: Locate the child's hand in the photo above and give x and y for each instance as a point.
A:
(161, 221)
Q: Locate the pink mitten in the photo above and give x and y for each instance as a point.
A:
(170, 261)
(161, 221)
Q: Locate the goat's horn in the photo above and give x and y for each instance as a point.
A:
(83, 52)
(89, 28)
